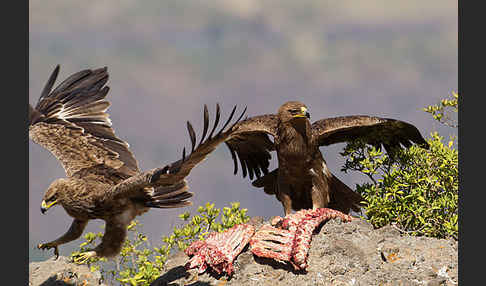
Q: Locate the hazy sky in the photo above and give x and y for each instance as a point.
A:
(168, 58)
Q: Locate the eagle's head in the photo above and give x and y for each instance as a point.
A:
(293, 110)
(53, 194)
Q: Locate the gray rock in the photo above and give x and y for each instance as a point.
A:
(341, 254)
(62, 272)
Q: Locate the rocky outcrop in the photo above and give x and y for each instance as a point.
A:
(61, 272)
(350, 253)
(341, 254)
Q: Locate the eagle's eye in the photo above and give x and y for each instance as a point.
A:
(294, 111)
(50, 196)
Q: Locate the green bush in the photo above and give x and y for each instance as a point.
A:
(441, 111)
(140, 264)
(417, 190)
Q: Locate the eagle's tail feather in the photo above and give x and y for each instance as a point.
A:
(343, 198)
(170, 196)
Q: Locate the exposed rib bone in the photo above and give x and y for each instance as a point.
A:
(290, 237)
(219, 249)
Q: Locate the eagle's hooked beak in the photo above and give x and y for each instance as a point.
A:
(303, 113)
(45, 206)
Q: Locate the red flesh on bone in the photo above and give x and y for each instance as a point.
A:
(290, 239)
(286, 239)
(219, 250)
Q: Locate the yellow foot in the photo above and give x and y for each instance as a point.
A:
(83, 257)
(49, 245)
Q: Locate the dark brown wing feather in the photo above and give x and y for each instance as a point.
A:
(181, 168)
(171, 177)
(269, 182)
(373, 130)
(71, 122)
(251, 145)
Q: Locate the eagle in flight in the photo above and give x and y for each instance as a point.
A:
(103, 179)
(302, 179)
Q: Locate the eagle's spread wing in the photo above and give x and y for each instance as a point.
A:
(171, 177)
(71, 122)
(373, 130)
(181, 168)
(252, 145)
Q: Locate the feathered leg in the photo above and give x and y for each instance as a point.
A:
(73, 233)
(284, 196)
(111, 243)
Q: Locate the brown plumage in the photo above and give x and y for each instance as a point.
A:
(103, 180)
(302, 179)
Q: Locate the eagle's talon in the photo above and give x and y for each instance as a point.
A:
(45, 246)
(82, 258)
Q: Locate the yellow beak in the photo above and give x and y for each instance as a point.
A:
(45, 206)
(303, 113)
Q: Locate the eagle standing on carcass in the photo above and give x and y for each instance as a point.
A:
(302, 179)
(103, 178)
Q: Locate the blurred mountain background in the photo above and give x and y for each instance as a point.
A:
(168, 58)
